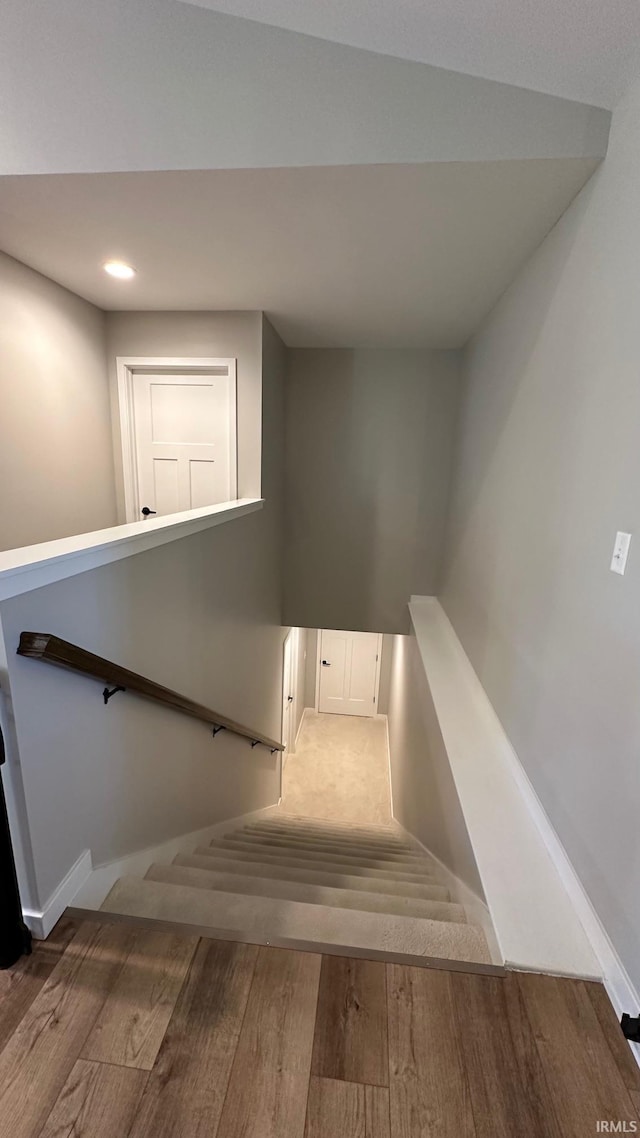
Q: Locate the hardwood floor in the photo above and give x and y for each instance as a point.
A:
(267, 1093)
(20, 985)
(428, 1083)
(136, 1013)
(351, 1024)
(341, 1108)
(187, 1086)
(116, 1031)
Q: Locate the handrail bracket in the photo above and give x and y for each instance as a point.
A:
(108, 692)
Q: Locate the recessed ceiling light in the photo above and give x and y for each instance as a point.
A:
(119, 269)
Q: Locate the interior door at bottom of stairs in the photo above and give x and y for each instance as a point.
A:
(349, 672)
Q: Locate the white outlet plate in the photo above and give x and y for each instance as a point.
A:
(620, 552)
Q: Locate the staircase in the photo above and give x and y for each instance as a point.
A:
(286, 878)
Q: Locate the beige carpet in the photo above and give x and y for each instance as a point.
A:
(340, 770)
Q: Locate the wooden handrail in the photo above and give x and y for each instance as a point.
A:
(53, 650)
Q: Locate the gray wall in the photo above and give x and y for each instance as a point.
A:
(369, 437)
(425, 800)
(56, 465)
(311, 668)
(225, 334)
(386, 662)
(269, 394)
(548, 470)
(60, 460)
(202, 615)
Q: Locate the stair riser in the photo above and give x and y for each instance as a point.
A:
(332, 880)
(268, 918)
(411, 869)
(310, 894)
(328, 839)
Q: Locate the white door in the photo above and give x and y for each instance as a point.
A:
(349, 670)
(185, 439)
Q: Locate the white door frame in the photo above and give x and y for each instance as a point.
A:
(319, 664)
(291, 644)
(287, 650)
(126, 367)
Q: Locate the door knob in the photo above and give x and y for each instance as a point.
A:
(146, 511)
(326, 664)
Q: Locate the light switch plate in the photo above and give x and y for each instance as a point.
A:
(620, 552)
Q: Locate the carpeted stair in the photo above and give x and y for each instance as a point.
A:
(289, 878)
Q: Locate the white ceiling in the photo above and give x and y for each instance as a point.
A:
(380, 256)
(587, 50)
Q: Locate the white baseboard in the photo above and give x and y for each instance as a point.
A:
(300, 725)
(40, 923)
(292, 750)
(91, 892)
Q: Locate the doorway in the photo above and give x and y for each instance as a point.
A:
(338, 766)
(348, 672)
(178, 420)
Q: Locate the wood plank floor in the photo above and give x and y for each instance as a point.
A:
(117, 1031)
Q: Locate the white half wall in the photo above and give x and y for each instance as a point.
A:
(536, 924)
(201, 615)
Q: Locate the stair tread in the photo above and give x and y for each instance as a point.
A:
(313, 875)
(339, 897)
(419, 866)
(295, 920)
(273, 837)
